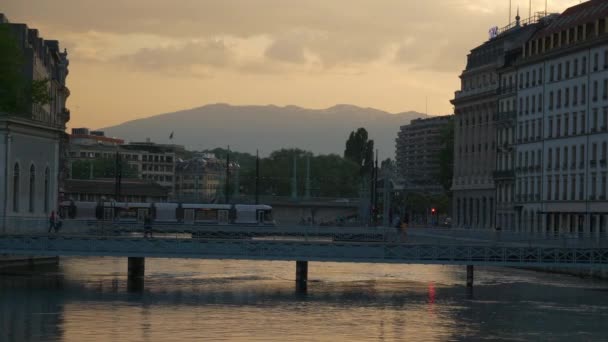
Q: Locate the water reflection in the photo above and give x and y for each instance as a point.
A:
(87, 300)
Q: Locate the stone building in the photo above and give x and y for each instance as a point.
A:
(31, 155)
(152, 162)
(476, 109)
(562, 120)
(202, 178)
(418, 145)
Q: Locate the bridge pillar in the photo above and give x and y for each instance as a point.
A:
(301, 276)
(470, 276)
(137, 269)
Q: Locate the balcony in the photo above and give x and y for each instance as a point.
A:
(504, 174)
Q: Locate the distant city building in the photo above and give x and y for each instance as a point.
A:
(82, 136)
(32, 160)
(152, 162)
(202, 178)
(417, 153)
(476, 109)
(131, 190)
(562, 119)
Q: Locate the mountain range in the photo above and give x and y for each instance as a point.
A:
(267, 128)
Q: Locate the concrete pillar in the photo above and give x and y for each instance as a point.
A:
(470, 276)
(301, 276)
(137, 269)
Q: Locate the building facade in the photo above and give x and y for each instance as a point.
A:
(562, 120)
(31, 153)
(418, 145)
(476, 108)
(151, 162)
(202, 179)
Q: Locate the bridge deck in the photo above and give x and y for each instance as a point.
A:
(290, 250)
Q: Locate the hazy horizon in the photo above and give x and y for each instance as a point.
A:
(143, 58)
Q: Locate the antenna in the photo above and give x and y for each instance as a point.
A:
(530, 10)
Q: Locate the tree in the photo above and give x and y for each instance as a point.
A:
(360, 150)
(17, 92)
(446, 157)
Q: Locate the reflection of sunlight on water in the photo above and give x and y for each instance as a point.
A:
(86, 300)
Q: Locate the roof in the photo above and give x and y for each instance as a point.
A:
(576, 15)
(107, 187)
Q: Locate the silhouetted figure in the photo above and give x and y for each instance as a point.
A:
(52, 221)
(147, 226)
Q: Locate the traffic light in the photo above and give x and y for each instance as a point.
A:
(433, 211)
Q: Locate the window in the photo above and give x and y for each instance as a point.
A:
(573, 157)
(574, 131)
(583, 122)
(550, 128)
(565, 157)
(565, 188)
(582, 163)
(550, 158)
(583, 94)
(556, 195)
(605, 90)
(559, 126)
(16, 181)
(575, 71)
(575, 96)
(573, 188)
(567, 97)
(47, 181)
(567, 69)
(32, 197)
(594, 124)
(558, 104)
(596, 61)
(551, 73)
(581, 187)
(550, 100)
(584, 65)
(559, 72)
(566, 125)
(595, 91)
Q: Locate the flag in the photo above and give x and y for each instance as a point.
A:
(171, 136)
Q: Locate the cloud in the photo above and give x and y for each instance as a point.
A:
(181, 58)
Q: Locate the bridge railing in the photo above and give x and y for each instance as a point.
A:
(17, 225)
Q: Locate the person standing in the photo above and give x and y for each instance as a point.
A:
(52, 221)
(147, 226)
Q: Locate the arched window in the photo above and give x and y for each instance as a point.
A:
(46, 190)
(32, 188)
(16, 188)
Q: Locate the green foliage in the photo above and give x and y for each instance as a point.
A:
(330, 175)
(360, 150)
(446, 157)
(17, 92)
(102, 168)
(11, 82)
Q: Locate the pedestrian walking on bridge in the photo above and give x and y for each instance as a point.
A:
(52, 221)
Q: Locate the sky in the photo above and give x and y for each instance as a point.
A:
(132, 59)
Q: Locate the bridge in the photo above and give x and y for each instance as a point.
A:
(303, 244)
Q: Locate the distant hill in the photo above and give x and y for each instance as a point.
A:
(267, 128)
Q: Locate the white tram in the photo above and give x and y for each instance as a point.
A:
(168, 213)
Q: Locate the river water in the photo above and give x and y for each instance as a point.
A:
(86, 299)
